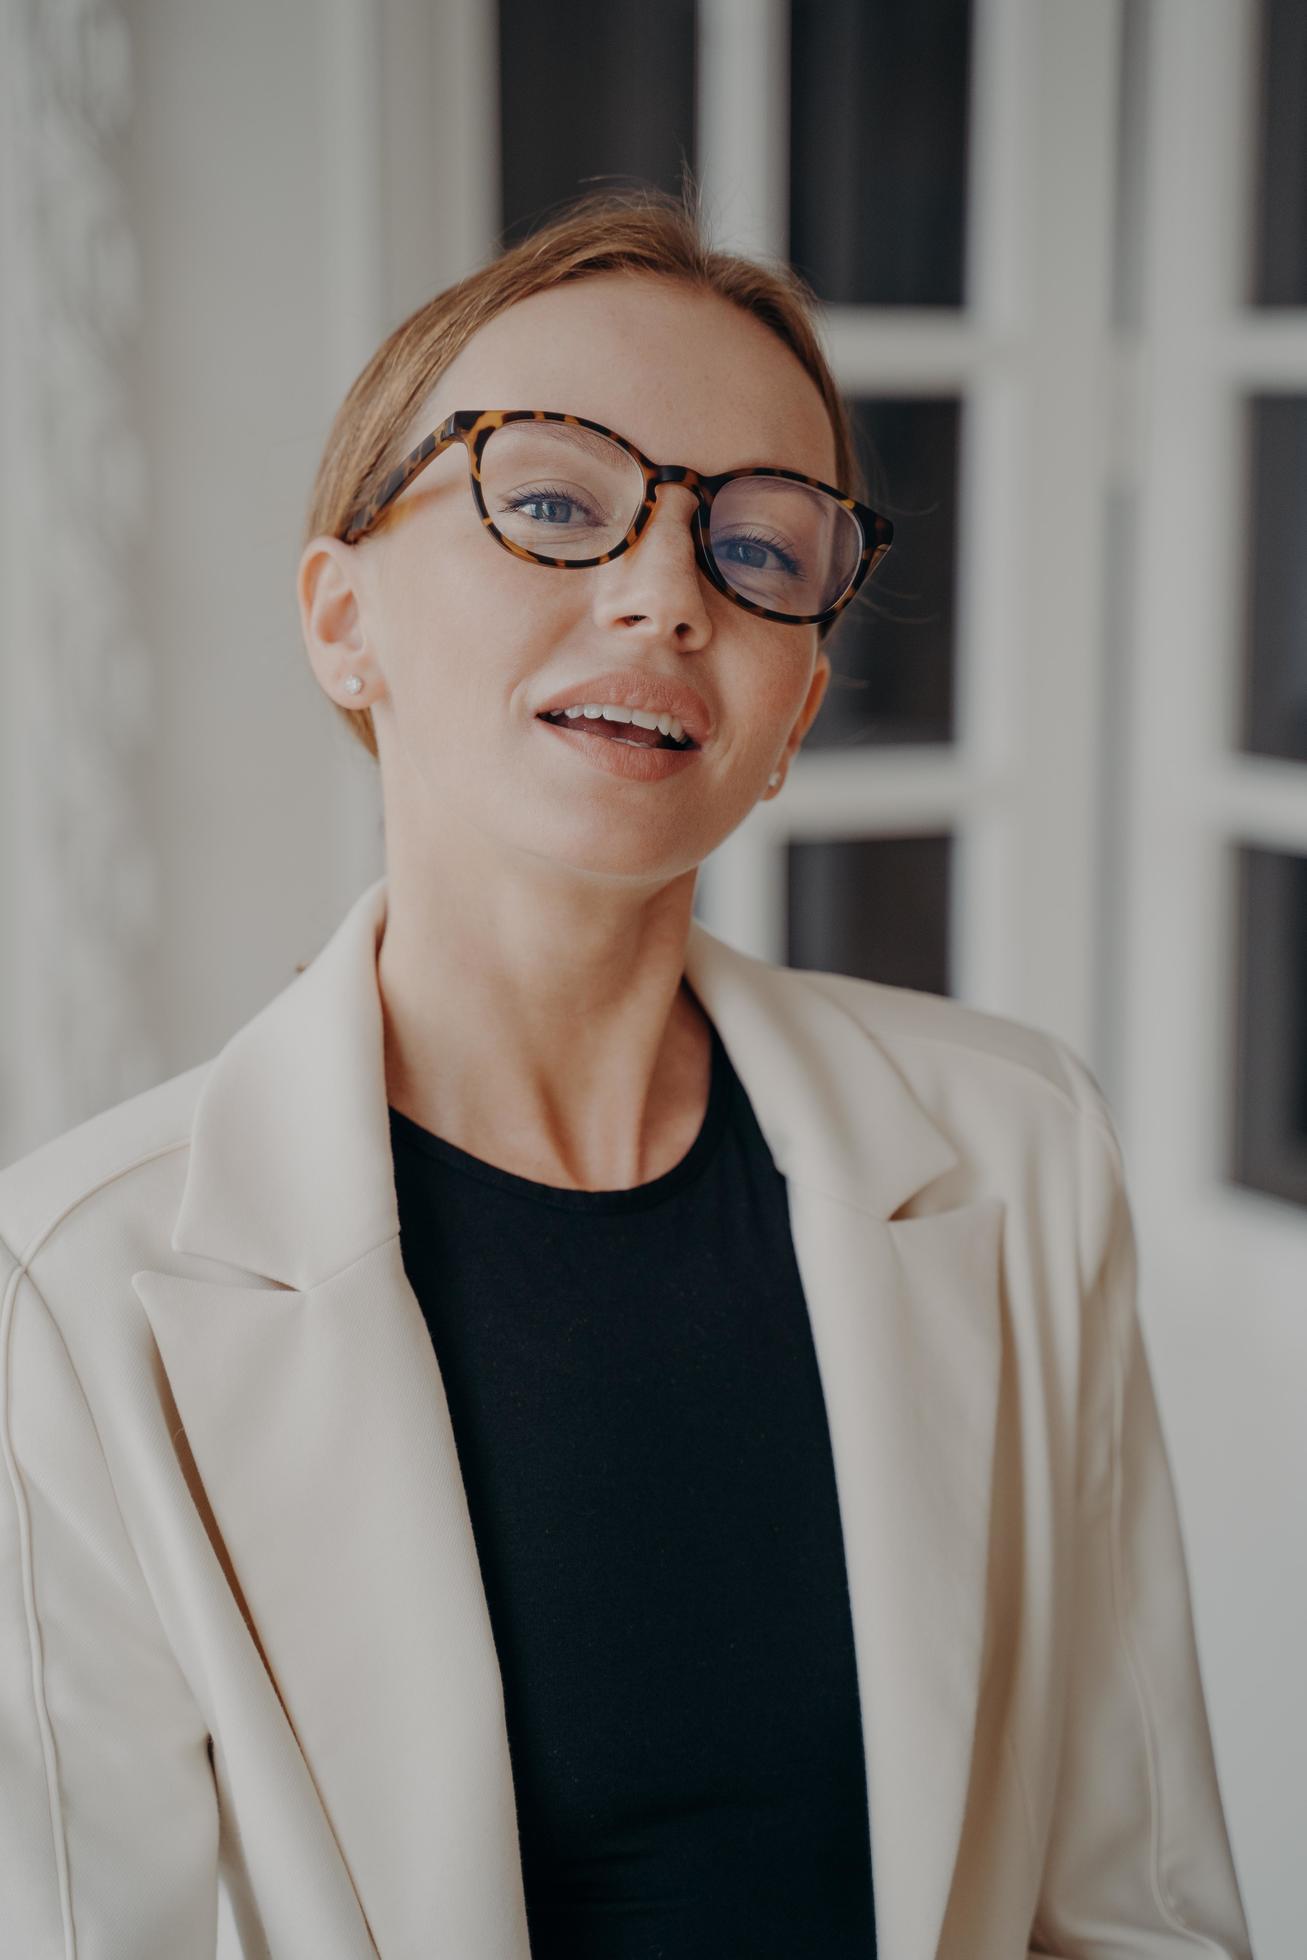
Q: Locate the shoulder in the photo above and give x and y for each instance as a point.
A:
(1026, 1114)
(940, 1042)
(130, 1151)
(1018, 1102)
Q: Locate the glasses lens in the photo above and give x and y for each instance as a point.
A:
(557, 490)
(568, 493)
(785, 546)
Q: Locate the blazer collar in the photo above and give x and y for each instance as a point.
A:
(311, 1409)
(290, 1172)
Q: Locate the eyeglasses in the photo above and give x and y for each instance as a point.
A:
(560, 490)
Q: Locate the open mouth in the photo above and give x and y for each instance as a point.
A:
(616, 731)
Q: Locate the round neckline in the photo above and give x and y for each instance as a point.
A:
(414, 1139)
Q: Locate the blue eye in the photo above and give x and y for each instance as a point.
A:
(790, 566)
(547, 497)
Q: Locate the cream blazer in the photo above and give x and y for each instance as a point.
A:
(243, 1637)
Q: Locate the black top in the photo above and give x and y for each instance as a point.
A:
(640, 1425)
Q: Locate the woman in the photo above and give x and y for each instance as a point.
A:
(563, 1438)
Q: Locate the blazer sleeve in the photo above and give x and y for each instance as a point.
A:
(1136, 1856)
(108, 1808)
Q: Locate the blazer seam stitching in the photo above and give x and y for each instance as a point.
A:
(391, 1238)
(1133, 1660)
(52, 1225)
(1065, 1097)
(23, 1272)
(47, 1231)
(45, 1724)
(823, 1190)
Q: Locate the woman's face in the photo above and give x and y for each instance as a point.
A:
(461, 643)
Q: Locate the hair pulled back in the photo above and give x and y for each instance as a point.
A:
(642, 230)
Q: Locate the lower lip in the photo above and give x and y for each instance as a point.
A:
(622, 758)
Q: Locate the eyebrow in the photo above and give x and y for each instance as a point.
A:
(594, 444)
(586, 439)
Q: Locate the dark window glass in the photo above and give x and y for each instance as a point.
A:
(1275, 662)
(1269, 1146)
(1279, 269)
(879, 115)
(892, 650)
(591, 91)
(1135, 62)
(877, 907)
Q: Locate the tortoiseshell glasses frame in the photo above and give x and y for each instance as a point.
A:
(473, 427)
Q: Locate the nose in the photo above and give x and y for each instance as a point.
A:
(674, 506)
(658, 578)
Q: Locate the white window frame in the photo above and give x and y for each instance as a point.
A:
(1029, 357)
(1228, 1265)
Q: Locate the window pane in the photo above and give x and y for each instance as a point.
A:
(892, 650)
(877, 907)
(879, 113)
(591, 89)
(1279, 273)
(1269, 1147)
(1275, 655)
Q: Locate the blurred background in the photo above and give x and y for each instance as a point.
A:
(1061, 771)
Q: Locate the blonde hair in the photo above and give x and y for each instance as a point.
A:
(641, 230)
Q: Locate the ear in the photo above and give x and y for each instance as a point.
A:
(329, 586)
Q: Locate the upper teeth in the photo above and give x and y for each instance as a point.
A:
(666, 724)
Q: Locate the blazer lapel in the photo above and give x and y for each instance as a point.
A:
(314, 1410)
(905, 1315)
(318, 1424)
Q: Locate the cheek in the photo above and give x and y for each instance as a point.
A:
(771, 702)
(431, 604)
(470, 643)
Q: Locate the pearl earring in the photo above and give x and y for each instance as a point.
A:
(774, 778)
(354, 685)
